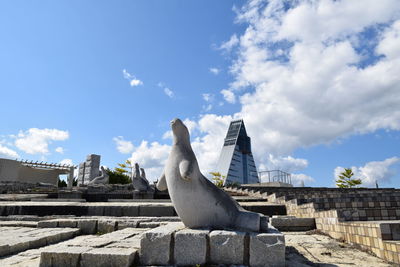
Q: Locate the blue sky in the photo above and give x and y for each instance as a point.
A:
(316, 83)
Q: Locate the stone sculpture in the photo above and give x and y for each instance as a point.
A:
(143, 174)
(140, 183)
(102, 179)
(198, 202)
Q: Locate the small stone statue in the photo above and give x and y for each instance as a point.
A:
(198, 202)
(102, 179)
(143, 175)
(140, 183)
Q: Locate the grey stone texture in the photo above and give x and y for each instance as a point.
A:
(89, 169)
(227, 247)
(108, 257)
(62, 256)
(197, 201)
(291, 223)
(267, 250)
(190, 247)
(155, 245)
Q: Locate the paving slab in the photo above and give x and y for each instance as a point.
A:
(108, 257)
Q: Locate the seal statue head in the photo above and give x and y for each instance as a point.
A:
(180, 132)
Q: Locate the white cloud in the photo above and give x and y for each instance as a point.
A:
(168, 92)
(59, 150)
(300, 179)
(231, 43)
(299, 76)
(151, 157)
(133, 81)
(67, 162)
(286, 164)
(229, 96)
(123, 146)
(8, 153)
(208, 97)
(36, 141)
(302, 72)
(374, 171)
(214, 71)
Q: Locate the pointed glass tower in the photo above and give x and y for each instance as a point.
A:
(236, 161)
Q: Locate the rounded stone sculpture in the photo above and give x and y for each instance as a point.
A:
(102, 179)
(138, 182)
(198, 202)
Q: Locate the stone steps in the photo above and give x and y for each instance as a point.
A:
(171, 244)
(17, 239)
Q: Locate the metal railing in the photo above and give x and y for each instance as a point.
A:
(275, 176)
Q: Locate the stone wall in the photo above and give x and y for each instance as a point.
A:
(15, 171)
(89, 169)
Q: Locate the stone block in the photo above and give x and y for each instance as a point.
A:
(4, 249)
(155, 245)
(227, 247)
(48, 224)
(68, 233)
(109, 257)
(115, 211)
(95, 210)
(130, 211)
(18, 244)
(106, 226)
(267, 249)
(149, 224)
(127, 224)
(156, 211)
(72, 223)
(62, 256)
(87, 227)
(190, 247)
(289, 223)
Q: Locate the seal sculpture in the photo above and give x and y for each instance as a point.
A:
(139, 183)
(198, 202)
(102, 179)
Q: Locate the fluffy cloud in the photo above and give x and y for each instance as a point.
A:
(133, 81)
(168, 92)
(8, 153)
(229, 96)
(231, 43)
(123, 146)
(67, 162)
(36, 141)
(305, 73)
(151, 157)
(59, 150)
(214, 71)
(374, 171)
(309, 75)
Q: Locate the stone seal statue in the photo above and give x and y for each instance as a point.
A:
(198, 202)
(102, 179)
(140, 183)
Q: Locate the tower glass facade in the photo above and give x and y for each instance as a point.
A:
(236, 162)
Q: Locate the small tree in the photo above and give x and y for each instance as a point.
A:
(218, 179)
(345, 179)
(116, 177)
(124, 168)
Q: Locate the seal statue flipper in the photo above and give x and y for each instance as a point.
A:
(162, 183)
(185, 169)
